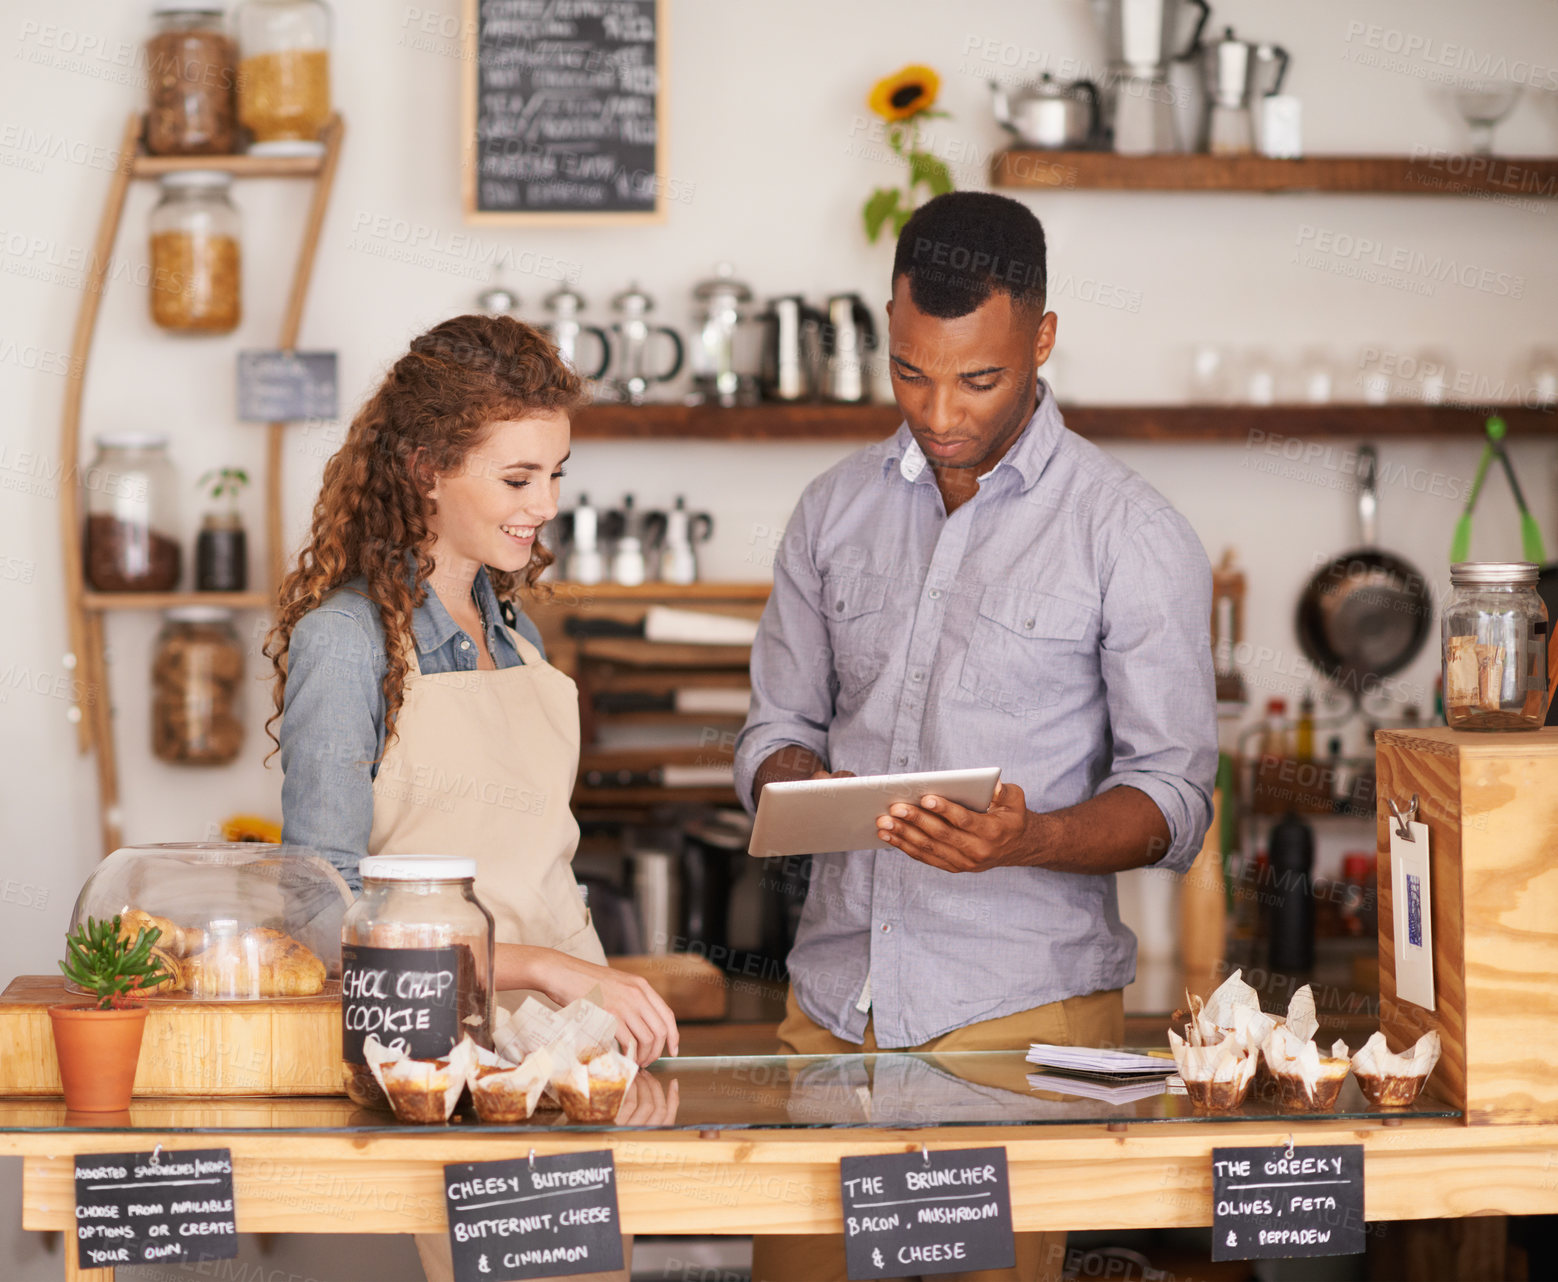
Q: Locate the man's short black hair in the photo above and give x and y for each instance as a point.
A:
(959, 248)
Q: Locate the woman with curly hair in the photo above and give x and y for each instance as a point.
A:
(412, 717)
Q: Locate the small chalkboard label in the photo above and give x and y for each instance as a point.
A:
(923, 1213)
(1278, 1203)
(285, 387)
(537, 1217)
(156, 1207)
(406, 997)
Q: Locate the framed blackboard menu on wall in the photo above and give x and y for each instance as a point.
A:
(564, 118)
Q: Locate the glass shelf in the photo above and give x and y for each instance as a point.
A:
(889, 1091)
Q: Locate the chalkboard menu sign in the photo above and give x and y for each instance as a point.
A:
(1279, 1203)
(157, 1207)
(564, 117)
(909, 1214)
(406, 997)
(536, 1217)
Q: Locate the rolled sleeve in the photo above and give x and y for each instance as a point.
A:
(1156, 660)
(330, 738)
(793, 685)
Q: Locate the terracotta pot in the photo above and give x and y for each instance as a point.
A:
(98, 1051)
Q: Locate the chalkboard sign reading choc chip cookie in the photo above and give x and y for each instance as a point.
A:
(156, 1207)
(564, 119)
(406, 997)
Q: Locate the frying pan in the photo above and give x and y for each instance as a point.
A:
(1367, 613)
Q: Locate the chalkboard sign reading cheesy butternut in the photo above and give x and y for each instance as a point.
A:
(563, 110)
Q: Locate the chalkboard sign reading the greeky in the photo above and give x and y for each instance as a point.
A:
(563, 111)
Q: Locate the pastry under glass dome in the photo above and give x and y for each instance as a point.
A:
(240, 921)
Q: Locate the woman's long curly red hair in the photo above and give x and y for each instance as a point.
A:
(370, 519)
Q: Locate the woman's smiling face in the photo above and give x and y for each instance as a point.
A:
(490, 509)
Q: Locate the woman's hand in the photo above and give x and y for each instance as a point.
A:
(641, 1012)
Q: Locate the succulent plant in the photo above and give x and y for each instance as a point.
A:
(115, 971)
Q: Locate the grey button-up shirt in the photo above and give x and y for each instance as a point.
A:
(1056, 625)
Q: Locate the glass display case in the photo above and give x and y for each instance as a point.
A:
(238, 921)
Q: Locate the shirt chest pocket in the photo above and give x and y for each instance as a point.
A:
(1026, 647)
(854, 606)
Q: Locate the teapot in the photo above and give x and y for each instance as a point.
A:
(1054, 114)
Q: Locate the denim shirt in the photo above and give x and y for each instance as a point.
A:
(332, 725)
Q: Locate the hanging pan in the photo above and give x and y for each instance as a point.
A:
(1367, 613)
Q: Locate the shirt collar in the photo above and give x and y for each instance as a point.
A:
(1029, 455)
(432, 625)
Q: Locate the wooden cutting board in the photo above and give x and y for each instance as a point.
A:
(279, 1046)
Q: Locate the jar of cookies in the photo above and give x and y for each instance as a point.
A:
(191, 72)
(1495, 647)
(197, 688)
(131, 541)
(416, 964)
(196, 268)
(283, 74)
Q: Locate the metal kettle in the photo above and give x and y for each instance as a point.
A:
(684, 530)
(724, 342)
(1049, 113)
(565, 329)
(848, 338)
(792, 338)
(1234, 71)
(632, 377)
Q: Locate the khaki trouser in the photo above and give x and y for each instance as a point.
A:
(1095, 1020)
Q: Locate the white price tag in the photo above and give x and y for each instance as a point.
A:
(1414, 929)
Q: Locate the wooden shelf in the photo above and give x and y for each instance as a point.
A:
(775, 422)
(174, 600)
(1097, 422)
(237, 166)
(615, 799)
(1516, 177)
(587, 593)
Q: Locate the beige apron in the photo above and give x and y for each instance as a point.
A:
(483, 766)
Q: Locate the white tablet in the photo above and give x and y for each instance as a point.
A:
(815, 816)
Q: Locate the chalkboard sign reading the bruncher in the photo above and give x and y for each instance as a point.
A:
(156, 1207)
(1279, 1203)
(563, 111)
(406, 997)
(922, 1213)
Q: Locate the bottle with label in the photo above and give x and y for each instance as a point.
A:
(1304, 734)
(1274, 738)
(416, 964)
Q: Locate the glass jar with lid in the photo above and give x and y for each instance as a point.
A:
(197, 688)
(131, 540)
(1495, 647)
(283, 74)
(416, 964)
(196, 267)
(191, 71)
(236, 921)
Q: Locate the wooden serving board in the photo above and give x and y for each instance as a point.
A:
(285, 1046)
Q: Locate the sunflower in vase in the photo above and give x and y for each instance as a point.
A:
(903, 99)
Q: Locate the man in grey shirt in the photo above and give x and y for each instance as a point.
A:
(983, 588)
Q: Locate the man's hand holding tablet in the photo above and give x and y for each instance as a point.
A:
(837, 810)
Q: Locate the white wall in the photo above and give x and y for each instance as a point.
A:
(770, 143)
